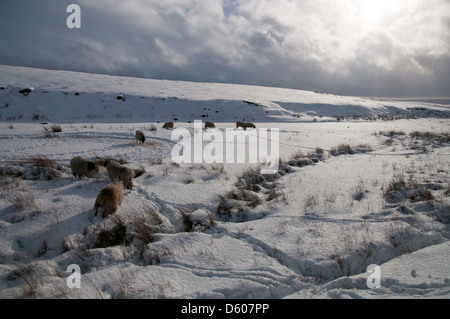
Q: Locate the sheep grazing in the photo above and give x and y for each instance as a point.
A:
(116, 170)
(241, 124)
(25, 91)
(140, 137)
(168, 125)
(109, 198)
(250, 125)
(81, 166)
(209, 125)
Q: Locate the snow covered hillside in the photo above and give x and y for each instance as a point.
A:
(361, 181)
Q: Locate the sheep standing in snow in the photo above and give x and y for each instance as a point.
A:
(140, 136)
(116, 170)
(81, 166)
(168, 125)
(209, 125)
(241, 124)
(109, 198)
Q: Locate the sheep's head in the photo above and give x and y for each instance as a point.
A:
(91, 166)
(129, 185)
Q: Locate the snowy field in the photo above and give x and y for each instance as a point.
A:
(361, 182)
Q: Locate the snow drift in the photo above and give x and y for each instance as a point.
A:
(361, 181)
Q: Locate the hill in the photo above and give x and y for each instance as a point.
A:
(358, 208)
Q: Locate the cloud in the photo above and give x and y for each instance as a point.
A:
(371, 47)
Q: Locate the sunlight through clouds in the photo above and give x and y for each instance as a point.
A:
(359, 47)
(373, 12)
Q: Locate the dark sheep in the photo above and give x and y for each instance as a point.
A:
(209, 125)
(81, 166)
(241, 124)
(168, 125)
(140, 137)
(25, 91)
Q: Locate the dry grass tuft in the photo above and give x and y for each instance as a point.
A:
(113, 235)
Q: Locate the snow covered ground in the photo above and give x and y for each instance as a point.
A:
(361, 182)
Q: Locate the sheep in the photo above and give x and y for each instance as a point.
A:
(209, 125)
(241, 124)
(117, 170)
(140, 136)
(25, 91)
(109, 198)
(81, 166)
(251, 125)
(168, 125)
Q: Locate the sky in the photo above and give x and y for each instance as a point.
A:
(385, 48)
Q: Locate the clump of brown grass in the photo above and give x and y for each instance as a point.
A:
(397, 183)
(342, 149)
(30, 285)
(113, 235)
(311, 201)
(186, 220)
(24, 200)
(399, 189)
(447, 191)
(51, 129)
(43, 167)
(43, 162)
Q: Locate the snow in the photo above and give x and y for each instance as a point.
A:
(220, 230)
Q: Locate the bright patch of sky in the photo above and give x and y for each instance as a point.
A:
(357, 47)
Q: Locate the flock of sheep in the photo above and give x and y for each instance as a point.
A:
(111, 196)
(140, 135)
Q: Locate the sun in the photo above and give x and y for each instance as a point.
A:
(373, 11)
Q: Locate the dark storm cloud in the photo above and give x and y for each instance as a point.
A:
(344, 47)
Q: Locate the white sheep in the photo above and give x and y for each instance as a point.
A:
(81, 166)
